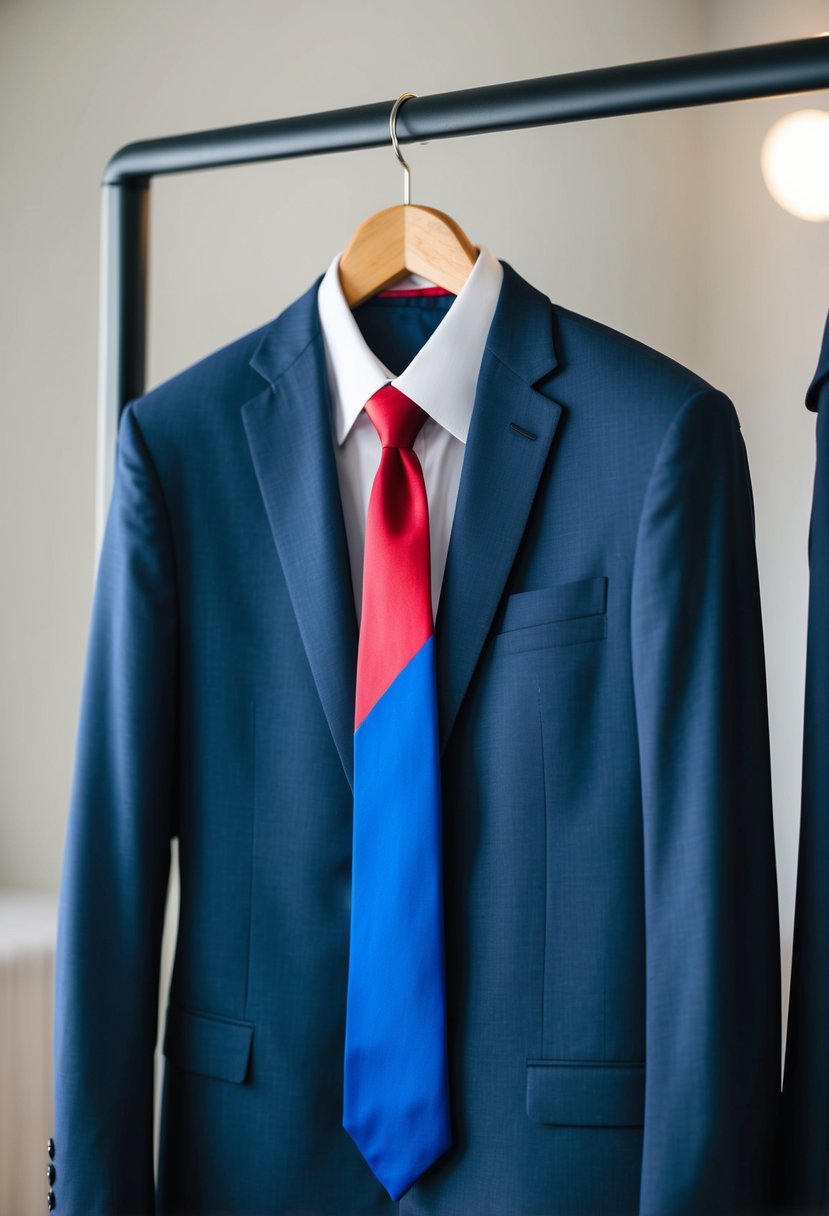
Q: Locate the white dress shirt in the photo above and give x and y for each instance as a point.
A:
(442, 378)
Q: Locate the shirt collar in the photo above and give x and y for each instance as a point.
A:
(443, 375)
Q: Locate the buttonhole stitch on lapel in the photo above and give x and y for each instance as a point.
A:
(521, 431)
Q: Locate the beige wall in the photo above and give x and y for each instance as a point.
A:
(657, 224)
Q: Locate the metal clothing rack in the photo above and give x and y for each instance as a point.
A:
(738, 74)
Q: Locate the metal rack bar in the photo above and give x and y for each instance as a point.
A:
(738, 74)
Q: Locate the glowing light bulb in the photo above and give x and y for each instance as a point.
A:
(795, 163)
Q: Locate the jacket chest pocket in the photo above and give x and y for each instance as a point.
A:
(560, 615)
(584, 1093)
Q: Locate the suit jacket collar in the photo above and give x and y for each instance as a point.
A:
(288, 427)
(520, 335)
(822, 372)
(441, 377)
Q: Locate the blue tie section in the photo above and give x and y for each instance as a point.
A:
(396, 1104)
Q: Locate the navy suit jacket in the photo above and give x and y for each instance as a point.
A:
(612, 938)
(804, 1125)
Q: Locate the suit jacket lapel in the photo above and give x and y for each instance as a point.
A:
(289, 433)
(509, 438)
(821, 372)
(292, 446)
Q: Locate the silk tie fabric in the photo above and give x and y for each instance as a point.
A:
(395, 1091)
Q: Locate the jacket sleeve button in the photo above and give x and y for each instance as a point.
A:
(50, 1147)
(50, 1199)
(50, 1172)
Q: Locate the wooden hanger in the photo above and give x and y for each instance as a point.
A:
(405, 239)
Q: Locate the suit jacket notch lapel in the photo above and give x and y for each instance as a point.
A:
(292, 446)
(500, 476)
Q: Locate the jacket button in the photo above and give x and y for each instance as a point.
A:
(50, 1147)
(50, 1199)
(50, 1172)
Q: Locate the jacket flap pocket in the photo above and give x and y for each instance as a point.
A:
(586, 1094)
(584, 597)
(207, 1043)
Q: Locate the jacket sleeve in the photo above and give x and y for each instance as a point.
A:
(712, 1076)
(116, 857)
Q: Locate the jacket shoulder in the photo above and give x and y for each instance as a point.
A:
(627, 367)
(202, 390)
(630, 397)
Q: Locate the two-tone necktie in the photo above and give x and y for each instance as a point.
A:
(396, 1089)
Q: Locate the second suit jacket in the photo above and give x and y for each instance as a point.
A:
(803, 1180)
(612, 939)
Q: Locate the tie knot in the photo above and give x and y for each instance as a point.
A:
(396, 417)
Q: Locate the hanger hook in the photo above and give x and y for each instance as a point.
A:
(392, 123)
